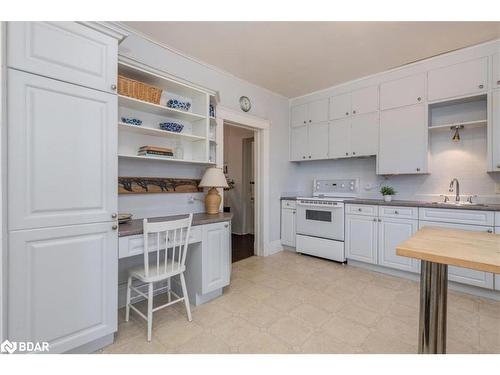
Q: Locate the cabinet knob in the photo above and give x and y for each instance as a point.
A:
(310, 120)
(374, 219)
(498, 82)
(481, 86)
(354, 153)
(359, 209)
(309, 156)
(114, 216)
(396, 212)
(114, 227)
(490, 230)
(347, 154)
(353, 112)
(113, 87)
(305, 122)
(419, 99)
(418, 169)
(347, 113)
(498, 165)
(303, 157)
(226, 226)
(379, 220)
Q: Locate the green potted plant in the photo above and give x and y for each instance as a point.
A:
(387, 192)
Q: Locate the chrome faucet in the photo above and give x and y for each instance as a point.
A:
(457, 191)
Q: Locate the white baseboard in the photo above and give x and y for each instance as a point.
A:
(273, 247)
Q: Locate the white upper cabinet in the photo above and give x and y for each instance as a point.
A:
(299, 115)
(298, 143)
(364, 134)
(339, 139)
(308, 113)
(63, 284)
(496, 71)
(403, 141)
(495, 144)
(62, 147)
(364, 100)
(340, 106)
(318, 111)
(354, 103)
(318, 141)
(65, 51)
(402, 92)
(462, 79)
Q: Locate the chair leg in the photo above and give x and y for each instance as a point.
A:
(150, 310)
(127, 306)
(185, 295)
(169, 285)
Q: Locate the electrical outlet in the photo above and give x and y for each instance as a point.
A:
(497, 188)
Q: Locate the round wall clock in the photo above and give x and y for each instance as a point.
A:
(245, 104)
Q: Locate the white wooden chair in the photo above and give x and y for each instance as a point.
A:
(167, 243)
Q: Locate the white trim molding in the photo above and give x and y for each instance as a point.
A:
(262, 150)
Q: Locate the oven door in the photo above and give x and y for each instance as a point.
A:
(321, 221)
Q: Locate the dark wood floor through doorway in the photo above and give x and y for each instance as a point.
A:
(242, 246)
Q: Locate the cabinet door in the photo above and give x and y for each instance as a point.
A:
(495, 144)
(298, 143)
(340, 139)
(403, 141)
(497, 277)
(361, 238)
(458, 80)
(364, 134)
(216, 256)
(391, 232)
(318, 111)
(465, 275)
(299, 115)
(64, 50)
(340, 106)
(62, 153)
(496, 71)
(365, 100)
(288, 227)
(318, 141)
(405, 91)
(63, 285)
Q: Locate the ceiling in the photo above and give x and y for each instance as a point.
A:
(296, 58)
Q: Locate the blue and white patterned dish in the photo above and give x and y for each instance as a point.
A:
(131, 121)
(171, 126)
(179, 104)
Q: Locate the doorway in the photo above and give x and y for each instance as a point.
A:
(239, 198)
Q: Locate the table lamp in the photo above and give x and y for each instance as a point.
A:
(213, 179)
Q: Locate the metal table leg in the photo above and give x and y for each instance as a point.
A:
(433, 305)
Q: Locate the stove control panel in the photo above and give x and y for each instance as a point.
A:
(337, 187)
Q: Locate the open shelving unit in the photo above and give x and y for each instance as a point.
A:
(468, 112)
(194, 144)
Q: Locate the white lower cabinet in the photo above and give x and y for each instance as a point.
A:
(288, 226)
(361, 238)
(216, 256)
(465, 275)
(497, 277)
(62, 285)
(391, 232)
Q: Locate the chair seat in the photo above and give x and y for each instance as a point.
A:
(139, 272)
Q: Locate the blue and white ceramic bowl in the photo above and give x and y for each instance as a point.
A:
(172, 126)
(131, 121)
(179, 104)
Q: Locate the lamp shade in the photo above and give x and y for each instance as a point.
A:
(213, 177)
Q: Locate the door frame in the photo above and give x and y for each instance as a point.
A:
(262, 149)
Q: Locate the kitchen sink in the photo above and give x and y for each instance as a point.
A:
(459, 204)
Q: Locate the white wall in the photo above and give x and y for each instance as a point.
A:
(233, 159)
(265, 104)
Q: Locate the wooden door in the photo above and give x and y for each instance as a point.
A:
(403, 141)
(391, 232)
(318, 141)
(364, 134)
(361, 238)
(63, 284)
(62, 153)
(340, 139)
(65, 51)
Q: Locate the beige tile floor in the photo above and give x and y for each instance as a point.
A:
(289, 303)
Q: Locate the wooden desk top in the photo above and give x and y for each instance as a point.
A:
(476, 250)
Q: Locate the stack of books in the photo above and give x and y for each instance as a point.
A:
(156, 151)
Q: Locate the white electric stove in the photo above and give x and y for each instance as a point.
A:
(320, 218)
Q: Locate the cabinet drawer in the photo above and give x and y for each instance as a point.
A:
(133, 245)
(398, 212)
(286, 203)
(65, 51)
(471, 217)
(362, 209)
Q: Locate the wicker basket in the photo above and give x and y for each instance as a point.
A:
(138, 90)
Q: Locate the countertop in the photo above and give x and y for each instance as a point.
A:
(404, 203)
(475, 250)
(134, 226)
(288, 197)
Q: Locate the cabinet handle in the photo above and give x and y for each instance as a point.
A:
(375, 220)
(396, 212)
(347, 154)
(419, 99)
(353, 112)
(418, 169)
(359, 209)
(303, 157)
(305, 122)
(114, 216)
(490, 230)
(379, 220)
(481, 86)
(309, 156)
(310, 120)
(226, 225)
(114, 227)
(113, 87)
(347, 113)
(354, 153)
